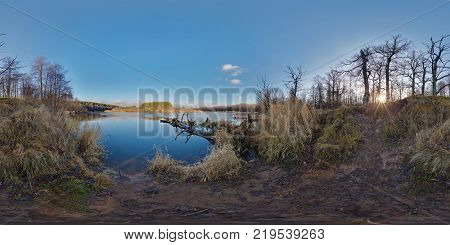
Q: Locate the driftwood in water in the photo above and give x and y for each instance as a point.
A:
(207, 129)
(190, 128)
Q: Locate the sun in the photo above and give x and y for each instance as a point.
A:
(381, 99)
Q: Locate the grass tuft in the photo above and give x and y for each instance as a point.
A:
(414, 114)
(221, 165)
(432, 151)
(285, 132)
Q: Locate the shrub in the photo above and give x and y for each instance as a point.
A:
(432, 151)
(285, 132)
(340, 137)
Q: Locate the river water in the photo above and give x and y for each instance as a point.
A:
(131, 139)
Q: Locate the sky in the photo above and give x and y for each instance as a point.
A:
(112, 49)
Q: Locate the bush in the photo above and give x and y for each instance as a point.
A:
(285, 133)
(340, 137)
(432, 151)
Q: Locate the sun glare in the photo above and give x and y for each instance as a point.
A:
(381, 99)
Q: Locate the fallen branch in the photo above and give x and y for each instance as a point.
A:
(189, 128)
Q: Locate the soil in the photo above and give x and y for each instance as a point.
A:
(373, 189)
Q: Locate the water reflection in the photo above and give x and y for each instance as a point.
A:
(128, 149)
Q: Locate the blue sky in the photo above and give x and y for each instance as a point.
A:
(187, 43)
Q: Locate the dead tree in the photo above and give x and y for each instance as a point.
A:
(359, 66)
(10, 77)
(440, 64)
(423, 73)
(6, 65)
(189, 128)
(390, 51)
(411, 69)
(266, 94)
(377, 68)
(38, 70)
(317, 91)
(335, 90)
(294, 83)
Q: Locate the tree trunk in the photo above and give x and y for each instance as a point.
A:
(365, 77)
(388, 94)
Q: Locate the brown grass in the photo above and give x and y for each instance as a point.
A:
(285, 132)
(163, 166)
(35, 143)
(411, 115)
(432, 151)
(101, 182)
(221, 165)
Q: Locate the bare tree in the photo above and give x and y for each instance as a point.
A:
(294, 85)
(335, 88)
(5, 66)
(359, 66)
(440, 64)
(27, 90)
(10, 77)
(411, 69)
(390, 51)
(424, 79)
(38, 69)
(317, 91)
(266, 94)
(58, 87)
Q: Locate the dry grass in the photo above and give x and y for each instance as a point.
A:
(432, 151)
(285, 132)
(413, 114)
(35, 143)
(101, 182)
(163, 166)
(88, 145)
(222, 137)
(221, 165)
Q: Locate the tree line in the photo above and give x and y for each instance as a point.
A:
(388, 71)
(45, 81)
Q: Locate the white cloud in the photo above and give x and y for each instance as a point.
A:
(235, 81)
(236, 73)
(229, 67)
